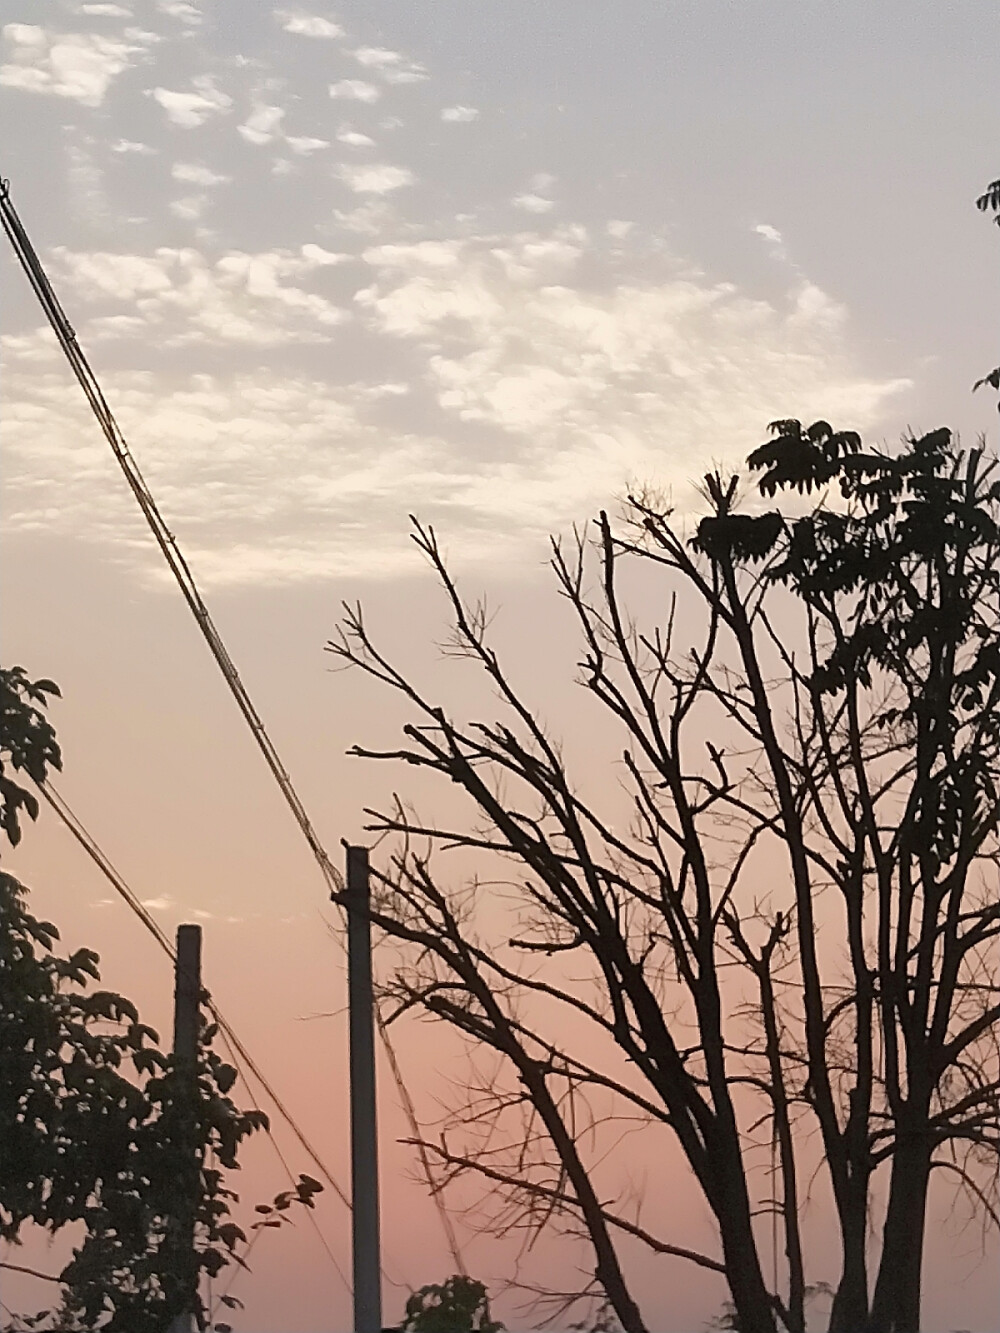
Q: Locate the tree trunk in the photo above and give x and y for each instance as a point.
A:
(849, 1313)
(751, 1299)
(896, 1302)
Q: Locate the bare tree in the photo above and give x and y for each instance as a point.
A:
(791, 931)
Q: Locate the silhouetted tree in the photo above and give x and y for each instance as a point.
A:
(457, 1305)
(989, 201)
(95, 1128)
(795, 927)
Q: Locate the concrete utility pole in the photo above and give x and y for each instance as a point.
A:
(187, 994)
(364, 1125)
(187, 1017)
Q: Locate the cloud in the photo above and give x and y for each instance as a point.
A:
(304, 146)
(190, 110)
(192, 173)
(86, 181)
(354, 139)
(377, 57)
(81, 66)
(769, 233)
(533, 203)
(376, 178)
(131, 146)
(248, 299)
(619, 228)
(355, 90)
(161, 904)
(520, 381)
(774, 239)
(410, 74)
(594, 384)
(459, 115)
(190, 208)
(106, 11)
(392, 65)
(308, 25)
(263, 124)
(367, 219)
(188, 14)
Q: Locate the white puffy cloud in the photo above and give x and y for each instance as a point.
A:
(193, 173)
(392, 65)
(192, 109)
(85, 179)
(593, 385)
(518, 381)
(533, 203)
(263, 124)
(31, 349)
(377, 57)
(106, 11)
(366, 219)
(459, 115)
(304, 146)
(377, 178)
(405, 74)
(774, 239)
(242, 299)
(131, 146)
(81, 66)
(187, 14)
(315, 256)
(308, 25)
(190, 207)
(769, 233)
(355, 90)
(267, 477)
(354, 138)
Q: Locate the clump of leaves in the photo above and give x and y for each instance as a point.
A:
(98, 1125)
(459, 1305)
(27, 744)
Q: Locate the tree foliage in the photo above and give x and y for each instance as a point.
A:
(457, 1305)
(27, 744)
(989, 201)
(794, 929)
(97, 1124)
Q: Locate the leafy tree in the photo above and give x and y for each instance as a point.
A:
(97, 1125)
(458, 1305)
(27, 744)
(989, 201)
(794, 930)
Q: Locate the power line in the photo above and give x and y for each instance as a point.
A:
(100, 859)
(171, 552)
(165, 539)
(238, 1051)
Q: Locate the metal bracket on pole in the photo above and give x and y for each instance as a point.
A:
(364, 1125)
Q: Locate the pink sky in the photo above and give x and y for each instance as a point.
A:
(335, 267)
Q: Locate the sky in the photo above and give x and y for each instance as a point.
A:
(489, 264)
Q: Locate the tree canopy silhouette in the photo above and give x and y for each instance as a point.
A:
(793, 931)
(95, 1127)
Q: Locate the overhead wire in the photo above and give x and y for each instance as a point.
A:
(165, 539)
(171, 552)
(238, 1050)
